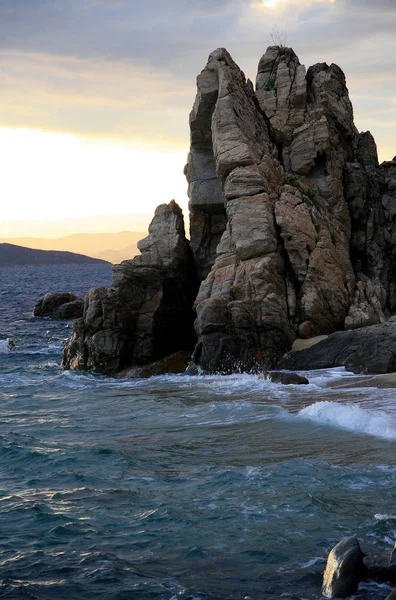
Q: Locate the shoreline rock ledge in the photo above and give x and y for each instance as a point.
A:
(292, 230)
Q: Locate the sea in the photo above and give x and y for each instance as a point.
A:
(178, 487)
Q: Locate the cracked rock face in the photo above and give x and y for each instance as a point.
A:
(282, 267)
(147, 314)
(292, 229)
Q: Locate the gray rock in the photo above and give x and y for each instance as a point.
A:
(292, 232)
(344, 570)
(176, 363)
(366, 350)
(65, 305)
(391, 596)
(148, 313)
(69, 310)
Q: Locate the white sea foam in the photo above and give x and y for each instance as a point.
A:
(377, 423)
(4, 347)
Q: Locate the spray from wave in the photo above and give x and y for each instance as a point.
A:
(352, 418)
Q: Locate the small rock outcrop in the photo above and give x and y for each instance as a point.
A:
(176, 363)
(147, 314)
(64, 305)
(344, 570)
(365, 350)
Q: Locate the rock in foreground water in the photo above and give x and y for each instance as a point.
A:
(284, 377)
(344, 570)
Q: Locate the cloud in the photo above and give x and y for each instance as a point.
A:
(93, 97)
(128, 67)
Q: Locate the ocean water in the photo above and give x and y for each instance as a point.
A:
(177, 487)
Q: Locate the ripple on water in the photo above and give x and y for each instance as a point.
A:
(205, 487)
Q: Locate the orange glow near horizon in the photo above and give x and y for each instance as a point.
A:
(49, 176)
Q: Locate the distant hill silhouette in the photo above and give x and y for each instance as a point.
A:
(113, 247)
(12, 255)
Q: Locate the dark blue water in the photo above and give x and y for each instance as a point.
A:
(178, 487)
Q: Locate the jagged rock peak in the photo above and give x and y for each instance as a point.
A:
(279, 166)
(166, 242)
(148, 313)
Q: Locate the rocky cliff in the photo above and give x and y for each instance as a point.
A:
(308, 241)
(292, 229)
(147, 314)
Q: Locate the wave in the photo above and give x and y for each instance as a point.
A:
(4, 347)
(353, 418)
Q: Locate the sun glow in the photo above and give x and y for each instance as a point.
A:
(54, 176)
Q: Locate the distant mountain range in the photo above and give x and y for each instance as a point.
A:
(112, 247)
(12, 256)
(65, 227)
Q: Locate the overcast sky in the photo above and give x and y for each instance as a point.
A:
(122, 73)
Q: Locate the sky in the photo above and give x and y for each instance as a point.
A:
(95, 94)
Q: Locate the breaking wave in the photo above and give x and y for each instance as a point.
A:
(356, 419)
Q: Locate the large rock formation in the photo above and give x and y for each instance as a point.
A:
(292, 229)
(147, 314)
(303, 251)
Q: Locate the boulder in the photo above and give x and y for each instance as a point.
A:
(392, 595)
(176, 363)
(284, 377)
(64, 305)
(344, 570)
(147, 314)
(366, 350)
(69, 310)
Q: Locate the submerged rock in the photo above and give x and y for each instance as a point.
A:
(284, 377)
(344, 570)
(64, 305)
(147, 314)
(176, 363)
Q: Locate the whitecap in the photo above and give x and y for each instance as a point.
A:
(4, 347)
(353, 418)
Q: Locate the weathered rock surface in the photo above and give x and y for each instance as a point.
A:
(366, 350)
(344, 570)
(304, 201)
(176, 363)
(64, 305)
(147, 314)
(292, 232)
